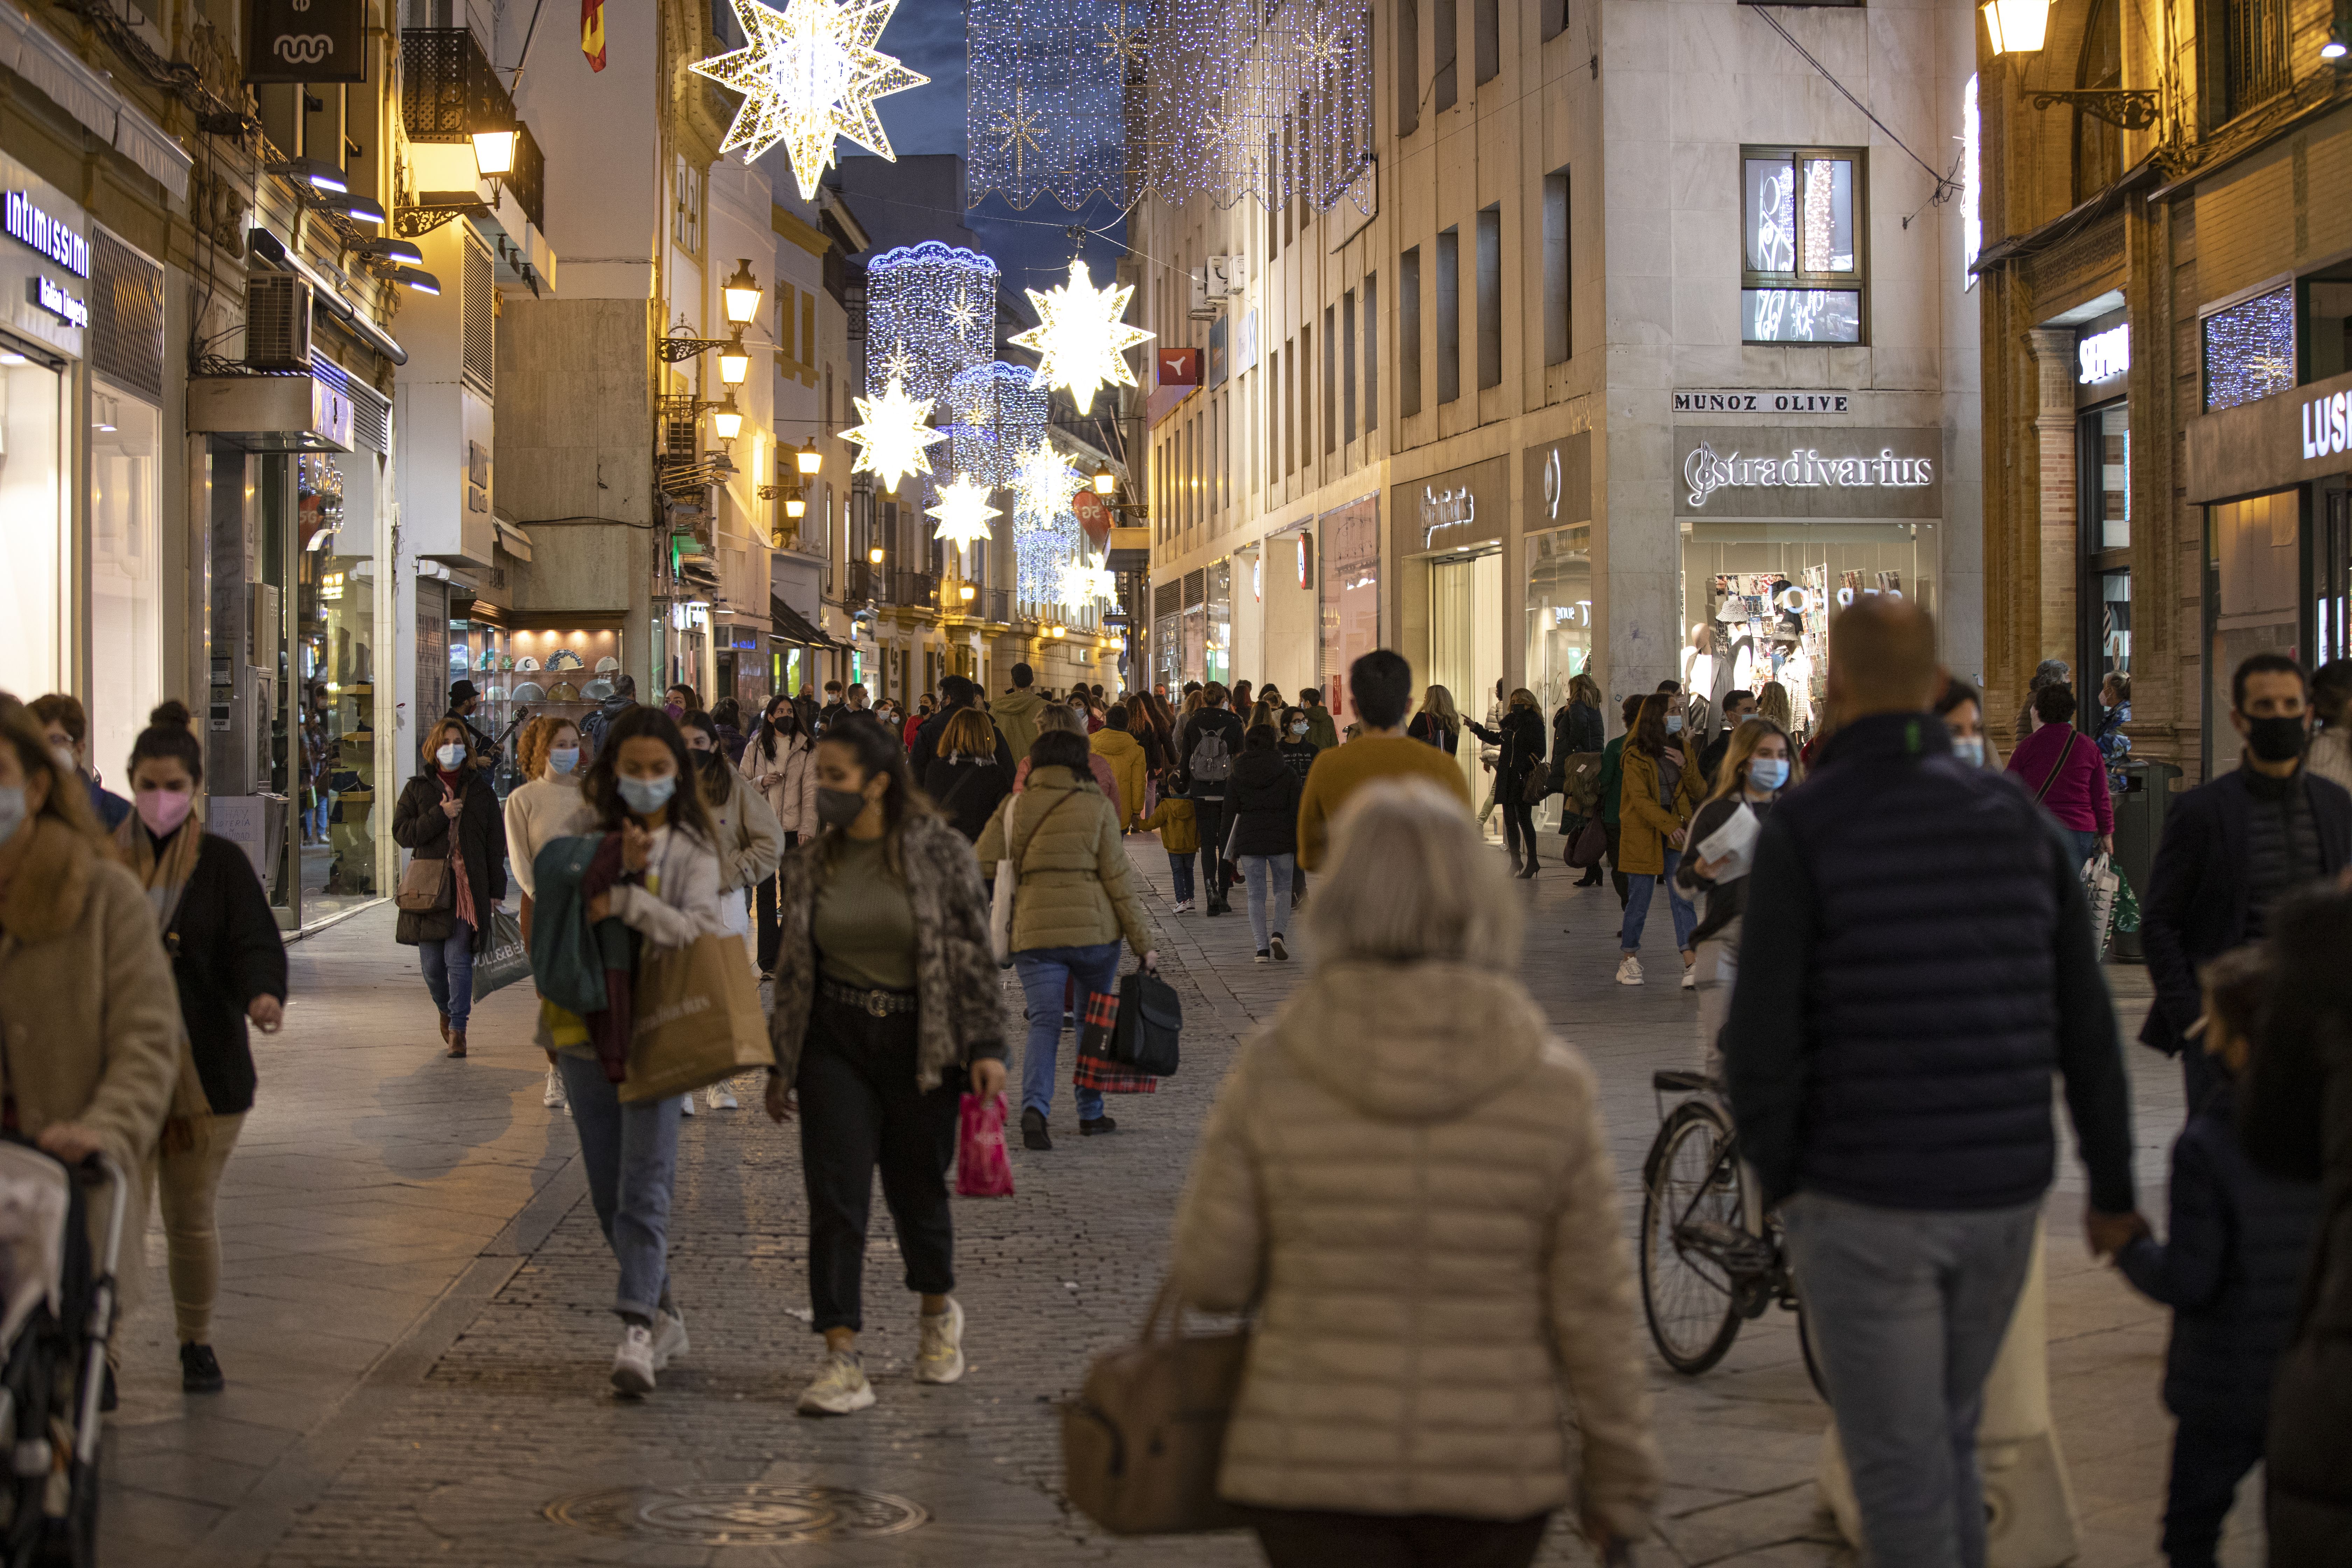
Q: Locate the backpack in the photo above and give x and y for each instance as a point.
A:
(1213, 760)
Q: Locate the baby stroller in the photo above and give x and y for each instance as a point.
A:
(57, 1314)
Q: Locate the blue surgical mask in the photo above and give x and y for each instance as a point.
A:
(1767, 773)
(562, 760)
(646, 797)
(1673, 723)
(1969, 748)
(1299, 728)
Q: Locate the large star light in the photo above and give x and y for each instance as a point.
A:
(963, 511)
(1080, 336)
(1043, 481)
(890, 444)
(809, 73)
(1083, 582)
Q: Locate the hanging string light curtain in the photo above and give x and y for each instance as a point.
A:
(931, 314)
(997, 411)
(1044, 549)
(1075, 99)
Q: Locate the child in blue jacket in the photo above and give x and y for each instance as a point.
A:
(2231, 1268)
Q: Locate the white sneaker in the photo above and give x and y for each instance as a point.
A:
(1183, 906)
(1690, 976)
(1629, 972)
(669, 1336)
(1261, 956)
(722, 1098)
(840, 1389)
(632, 1363)
(939, 1358)
(1281, 953)
(553, 1098)
(687, 1108)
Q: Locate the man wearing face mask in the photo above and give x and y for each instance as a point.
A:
(2233, 847)
(66, 726)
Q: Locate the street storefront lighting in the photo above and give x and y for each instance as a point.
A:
(398, 252)
(494, 152)
(416, 277)
(321, 174)
(742, 292)
(808, 459)
(966, 591)
(734, 363)
(1105, 482)
(2017, 26)
(358, 208)
(1060, 630)
(727, 419)
(875, 555)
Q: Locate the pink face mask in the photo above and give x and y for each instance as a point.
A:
(162, 810)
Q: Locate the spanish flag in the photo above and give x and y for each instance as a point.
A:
(592, 33)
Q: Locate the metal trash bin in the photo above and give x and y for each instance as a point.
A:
(2140, 807)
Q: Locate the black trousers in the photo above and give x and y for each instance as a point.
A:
(1305, 1539)
(771, 925)
(1209, 812)
(2210, 1457)
(860, 1109)
(1518, 824)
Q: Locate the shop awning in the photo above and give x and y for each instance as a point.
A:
(794, 628)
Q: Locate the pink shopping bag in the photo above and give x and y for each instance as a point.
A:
(982, 1169)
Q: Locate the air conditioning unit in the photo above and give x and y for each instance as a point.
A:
(278, 321)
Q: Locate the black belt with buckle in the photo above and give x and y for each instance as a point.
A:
(873, 1004)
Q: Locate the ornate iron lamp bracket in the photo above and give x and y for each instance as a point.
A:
(2132, 107)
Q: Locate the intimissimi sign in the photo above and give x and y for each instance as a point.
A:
(31, 226)
(1826, 472)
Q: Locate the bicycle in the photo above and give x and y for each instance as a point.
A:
(1711, 1259)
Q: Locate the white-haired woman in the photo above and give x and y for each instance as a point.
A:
(1407, 1178)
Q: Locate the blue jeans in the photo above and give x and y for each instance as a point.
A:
(631, 1153)
(2087, 844)
(449, 973)
(1179, 871)
(1637, 907)
(1045, 971)
(1908, 1309)
(1268, 877)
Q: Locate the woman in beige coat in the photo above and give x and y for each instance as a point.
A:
(1407, 1179)
(1075, 901)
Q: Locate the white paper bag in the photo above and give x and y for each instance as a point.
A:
(1736, 840)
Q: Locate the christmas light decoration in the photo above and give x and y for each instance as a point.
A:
(809, 73)
(963, 511)
(1042, 550)
(997, 410)
(931, 314)
(1080, 337)
(892, 442)
(1043, 481)
(1047, 99)
(1083, 582)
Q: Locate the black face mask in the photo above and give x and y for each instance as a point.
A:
(2275, 740)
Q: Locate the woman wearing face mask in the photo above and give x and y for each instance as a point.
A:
(678, 701)
(548, 807)
(641, 787)
(1658, 793)
(1519, 742)
(1962, 711)
(230, 966)
(1755, 768)
(449, 811)
(81, 975)
(887, 1007)
(780, 764)
(749, 843)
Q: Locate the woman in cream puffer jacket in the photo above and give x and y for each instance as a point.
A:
(1407, 1178)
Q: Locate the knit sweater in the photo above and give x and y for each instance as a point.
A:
(1341, 770)
(538, 814)
(2078, 797)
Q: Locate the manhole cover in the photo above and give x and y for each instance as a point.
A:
(747, 1513)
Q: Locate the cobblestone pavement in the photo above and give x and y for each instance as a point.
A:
(416, 1320)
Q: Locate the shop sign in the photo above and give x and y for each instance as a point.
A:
(2103, 356)
(1179, 367)
(28, 225)
(1453, 509)
(50, 296)
(331, 415)
(1766, 401)
(306, 41)
(1559, 482)
(1807, 472)
(2324, 427)
(2271, 443)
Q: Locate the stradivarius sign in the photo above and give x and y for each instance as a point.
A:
(1824, 472)
(1801, 468)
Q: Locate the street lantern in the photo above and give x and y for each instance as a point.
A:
(742, 292)
(494, 152)
(2017, 26)
(728, 420)
(875, 555)
(735, 364)
(1060, 630)
(796, 505)
(965, 593)
(1105, 482)
(808, 459)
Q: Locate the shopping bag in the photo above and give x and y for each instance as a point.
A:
(2100, 881)
(982, 1169)
(695, 1019)
(1142, 1442)
(1097, 1068)
(2127, 907)
(1151, 1020)
(504, 960)
(1591, 843)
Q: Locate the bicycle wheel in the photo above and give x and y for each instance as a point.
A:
(1686, 1292)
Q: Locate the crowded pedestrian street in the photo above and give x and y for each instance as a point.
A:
(415, 1313)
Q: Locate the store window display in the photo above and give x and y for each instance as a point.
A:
(126, 610)
(33, 625)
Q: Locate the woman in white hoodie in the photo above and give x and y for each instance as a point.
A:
(780, 761)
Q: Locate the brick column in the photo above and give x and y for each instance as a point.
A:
(2054, 427)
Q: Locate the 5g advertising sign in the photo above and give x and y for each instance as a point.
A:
(305, 41)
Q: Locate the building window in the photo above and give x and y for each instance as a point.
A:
(1449, 315)
(1407, 67)
(1486, 23)
(1348, 365)
(1408, 334)
(1554, 17)
(2099, 146)
(1557, 343)
(1803, 221)
(1307, 397)
(2254, 56)
(1371, 352)
(1490, 296)
(686, 219)
(1331, 381)
(1290, 412)
(2249, 349)
(1448, 35)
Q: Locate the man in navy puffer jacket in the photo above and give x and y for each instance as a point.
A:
(1916, 961)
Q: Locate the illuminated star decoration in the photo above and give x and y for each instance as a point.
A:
(1083, 582)
(896, 367)
(810, 73)
(1043, 481)
(963, 511)
(1019, 130)
(891, 441)
(1080, 337)
(965, 313)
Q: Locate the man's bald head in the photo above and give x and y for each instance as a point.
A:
(1882, 658)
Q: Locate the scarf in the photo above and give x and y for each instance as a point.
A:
(165, 875)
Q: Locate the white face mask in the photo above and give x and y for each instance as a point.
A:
(450, 755)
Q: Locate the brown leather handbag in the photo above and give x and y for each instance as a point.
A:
(424, 886)
(1142, 1442)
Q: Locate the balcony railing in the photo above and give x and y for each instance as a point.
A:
(528, 180)
(447, 90)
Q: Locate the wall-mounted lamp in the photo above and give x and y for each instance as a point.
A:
(494, 152)
(727, 419)
(2017, 26)
(358, 208)
(321, 174)
(796, 505)
(416, 277)
(966, 593)
(735, 364)
(875, 555)
(808, 459)
(1105, 482)
(742, 292)
(398, 252)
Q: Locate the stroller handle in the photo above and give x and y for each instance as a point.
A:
(101, 1167)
